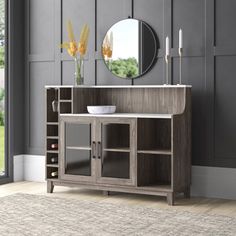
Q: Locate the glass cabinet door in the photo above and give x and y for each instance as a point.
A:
(77, 149)
(116, 154)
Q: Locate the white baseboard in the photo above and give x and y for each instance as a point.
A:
(34, 168)
(18, 164)
(29, 168)
(206, 181)
(214, 182)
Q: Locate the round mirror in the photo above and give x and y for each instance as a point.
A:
(129, 48)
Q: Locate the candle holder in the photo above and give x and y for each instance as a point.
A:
(180, 65)
(167, 58)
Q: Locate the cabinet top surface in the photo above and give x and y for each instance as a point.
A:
(120, 86)
(122, 115)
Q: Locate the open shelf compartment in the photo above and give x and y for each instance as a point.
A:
(154, 136)
(154, 171)
(65, 94)
(51, 170)
(52, 130)
(51, 142)
(52, 95)
(52, 158)
(65, 107)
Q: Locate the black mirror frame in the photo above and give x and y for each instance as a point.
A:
(155, 57)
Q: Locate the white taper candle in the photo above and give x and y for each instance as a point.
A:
(167, 46)
(180, 38)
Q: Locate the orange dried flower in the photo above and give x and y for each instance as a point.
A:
(82, 49)
(71, 46)
(109, 52)
(72, 50)
(107, 47)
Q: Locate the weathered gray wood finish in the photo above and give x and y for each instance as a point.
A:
(133, 100)
(62, 151)
(62, 96)
(96, 140)
(181, 128)
(159, 149)
(132, 150)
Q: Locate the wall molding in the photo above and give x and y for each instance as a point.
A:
(41, 58)
(212, 182)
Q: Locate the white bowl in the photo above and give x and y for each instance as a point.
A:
(101, 109)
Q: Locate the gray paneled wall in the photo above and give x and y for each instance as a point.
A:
(153, 14)
(208, 63)
(79, 12)
(108, 13)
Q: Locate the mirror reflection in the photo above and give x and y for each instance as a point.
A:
(129, 48)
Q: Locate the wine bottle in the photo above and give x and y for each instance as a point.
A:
(54, 160)
(54, 146)
(54, 174)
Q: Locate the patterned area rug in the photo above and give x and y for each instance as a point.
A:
(23, 214)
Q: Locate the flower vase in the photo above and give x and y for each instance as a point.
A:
(79, 71)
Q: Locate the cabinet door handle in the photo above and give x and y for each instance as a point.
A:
(99, 150)
(94, 150)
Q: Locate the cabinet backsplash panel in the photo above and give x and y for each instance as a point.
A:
(136, 100)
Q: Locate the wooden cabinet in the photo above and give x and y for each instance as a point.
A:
(145, 147)
(97, 150)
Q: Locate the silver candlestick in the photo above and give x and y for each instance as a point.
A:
(167, 57)
(180, 65)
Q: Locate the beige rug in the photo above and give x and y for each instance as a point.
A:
(23, 214)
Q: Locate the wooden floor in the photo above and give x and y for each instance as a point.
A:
(198, 205)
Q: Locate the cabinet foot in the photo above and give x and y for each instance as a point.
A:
(106, 193)
(50, 187)
(170, 199)
(187, 192)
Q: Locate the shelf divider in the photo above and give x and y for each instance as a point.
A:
(160, 152)
(52, 123)
(116, 149)
(53, 165)
(157, 187)
(65, 100)
(52, 151)
(78, 148)
(52, 137)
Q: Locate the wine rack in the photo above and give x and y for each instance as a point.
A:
(58, 101)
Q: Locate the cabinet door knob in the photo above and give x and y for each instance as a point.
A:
(94, 150)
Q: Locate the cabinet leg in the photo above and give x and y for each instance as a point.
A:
(187, 192)
(106, 193)
(170, 198)
(50, 187)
